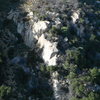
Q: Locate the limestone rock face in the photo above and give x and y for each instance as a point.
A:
(55, 84)
(48, 50)
(75, 16)
(59, 93)
(40, 26)
(34, 31)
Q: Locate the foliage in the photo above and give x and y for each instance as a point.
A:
(95, 74)
(63, 31)
(72, 75)
(81, 20)
(47, 68)
(5, 91)
(76, 56)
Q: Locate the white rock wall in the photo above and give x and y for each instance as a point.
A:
(32, 31)
(48, 49)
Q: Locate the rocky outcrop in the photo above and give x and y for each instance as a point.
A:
(75, 16)
(60, 87)
(47, 45)
(35, 31)
(50, 50)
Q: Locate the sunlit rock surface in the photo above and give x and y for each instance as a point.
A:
(55, 84)
(60, 87)
(50, 50)
(75, 16)
(34, 31)
(40, 26)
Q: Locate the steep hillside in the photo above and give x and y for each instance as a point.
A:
(49, 49)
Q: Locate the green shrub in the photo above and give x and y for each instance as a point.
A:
(72, 75)
(80, 90)
(91, 96)
(74, 98)
(4, 91)
(95, 75)
(92, 37)
(54, 30)
(73, 56)
(64, 30)
(50, 68)
(60, 31)
(94, 72)
(81, 20)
